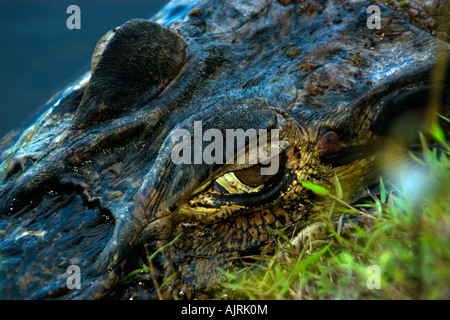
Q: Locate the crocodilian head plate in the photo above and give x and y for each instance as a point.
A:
(92, 185)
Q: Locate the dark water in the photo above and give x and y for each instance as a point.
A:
(39, 55)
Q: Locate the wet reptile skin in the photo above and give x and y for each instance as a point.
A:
(91, 181)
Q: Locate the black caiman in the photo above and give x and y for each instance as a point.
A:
(92, 183)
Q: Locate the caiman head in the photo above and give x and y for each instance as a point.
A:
(146, 148)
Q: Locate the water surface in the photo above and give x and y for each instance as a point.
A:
(39, 55)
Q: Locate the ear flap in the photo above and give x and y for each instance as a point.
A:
(130, 65)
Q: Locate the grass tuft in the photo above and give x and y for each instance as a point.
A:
(406, 255)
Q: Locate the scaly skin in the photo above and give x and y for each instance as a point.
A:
(93, 180)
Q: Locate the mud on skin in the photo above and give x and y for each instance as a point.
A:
(91, 181)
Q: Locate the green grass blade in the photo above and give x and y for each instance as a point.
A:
(315, 188)
(310, 260)
(163, 247)
(339, 192)
(382, 191)
(134, 272)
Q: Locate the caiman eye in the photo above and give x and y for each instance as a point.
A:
(243, 181)
(239, 186)
(252, 176)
